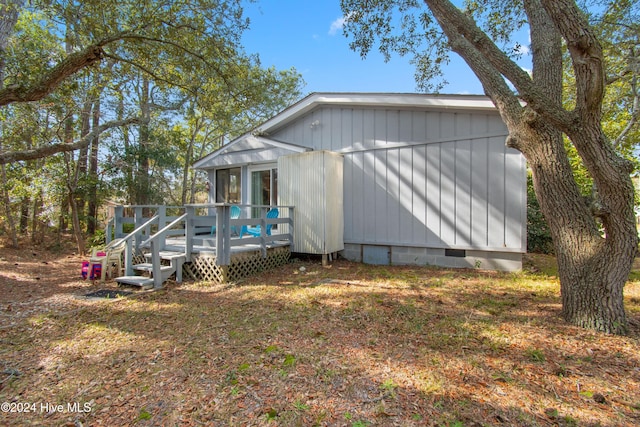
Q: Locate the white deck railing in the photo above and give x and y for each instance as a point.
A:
(197, 220)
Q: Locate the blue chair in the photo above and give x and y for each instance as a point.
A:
(255, 231)
(235, 214)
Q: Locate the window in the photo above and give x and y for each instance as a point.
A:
(228, 185)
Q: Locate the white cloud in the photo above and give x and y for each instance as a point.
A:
(522, 49)
(337, 25)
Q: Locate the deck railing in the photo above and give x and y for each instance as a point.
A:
(198, 220)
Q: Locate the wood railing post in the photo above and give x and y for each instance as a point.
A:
(128, 259)
(263, 233)
(189, 230)
(138, 220)
(155, 265)
(162, 214)
(291, 229)
(119, 216)
(223, 235)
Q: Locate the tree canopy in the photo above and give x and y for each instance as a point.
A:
(116, 100)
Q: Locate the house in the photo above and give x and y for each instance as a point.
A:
(385, 178)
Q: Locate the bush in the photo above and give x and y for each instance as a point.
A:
(538, 234)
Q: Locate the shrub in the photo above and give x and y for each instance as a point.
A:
(538, 234)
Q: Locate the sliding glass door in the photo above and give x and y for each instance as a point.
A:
(263, 187)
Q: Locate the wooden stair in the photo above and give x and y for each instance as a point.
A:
(145, 277)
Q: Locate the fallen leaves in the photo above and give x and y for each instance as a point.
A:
(350, 345)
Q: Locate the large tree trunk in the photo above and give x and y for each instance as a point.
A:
(9, 11)
(592, 275)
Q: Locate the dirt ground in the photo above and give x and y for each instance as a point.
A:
(348, 345)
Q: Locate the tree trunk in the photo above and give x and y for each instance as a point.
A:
(142, 182)
(37, 226)
(64, 213)
(77, 229)
(9, 11)
(7, 207)
(80, 177)
(592, 276)
(24, 214)
(92, 190)
(188, 158)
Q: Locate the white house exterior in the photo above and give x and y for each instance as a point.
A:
(426, 179)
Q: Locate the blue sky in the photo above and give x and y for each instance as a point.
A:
(304, 35)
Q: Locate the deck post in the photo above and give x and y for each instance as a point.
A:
(223, 234)
(155, 265)
(263, 233)
(290, 228)
(128, 259)
(189, 231)
(138, 220)
(118, 216)
(162, 216)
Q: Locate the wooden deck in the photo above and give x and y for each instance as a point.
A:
(168, 241)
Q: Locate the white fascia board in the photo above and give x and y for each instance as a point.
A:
(202, 162)
(291, 147)
(252, 142)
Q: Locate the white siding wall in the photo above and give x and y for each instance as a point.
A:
(313, 183)
(423, 178)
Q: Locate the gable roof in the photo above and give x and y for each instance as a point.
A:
(259, 148)
(257, 139)
(406, 100)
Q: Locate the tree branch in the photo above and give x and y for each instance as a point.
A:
(463, 27)
(585, 50)
(49, 81)
(48, 150)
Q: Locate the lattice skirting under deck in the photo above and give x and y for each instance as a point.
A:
(243, 264)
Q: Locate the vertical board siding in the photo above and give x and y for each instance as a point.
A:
(313, 182)
(433, 198)
(406, 207)
(393, 200)
(381, 220)
(463, 193)
(448, 193)
(479, 196)
(419, 194)
(424, 178)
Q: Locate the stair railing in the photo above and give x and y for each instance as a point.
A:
(129, 238)
(156, 243)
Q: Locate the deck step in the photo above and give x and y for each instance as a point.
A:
(143, 282)
(148, 267)
(168, 255)
(145, 266)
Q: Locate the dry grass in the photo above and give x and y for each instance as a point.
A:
(348, 345)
